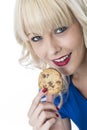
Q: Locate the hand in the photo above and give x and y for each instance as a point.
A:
(42, 115)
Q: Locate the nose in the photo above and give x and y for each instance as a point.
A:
(53, 47)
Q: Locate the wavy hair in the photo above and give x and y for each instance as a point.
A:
(43, 15)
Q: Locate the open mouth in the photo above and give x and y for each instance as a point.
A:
(64, 60)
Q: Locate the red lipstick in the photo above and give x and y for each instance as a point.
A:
(62, 61)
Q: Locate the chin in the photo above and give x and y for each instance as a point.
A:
(66, 72)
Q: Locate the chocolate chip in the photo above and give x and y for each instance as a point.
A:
(50, 83)
(53, 86)
(58, 82)
(47, 75)
(43, 75)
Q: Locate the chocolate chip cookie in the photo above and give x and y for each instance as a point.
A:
(51, 79)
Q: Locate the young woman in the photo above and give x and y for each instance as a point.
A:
(54, 33)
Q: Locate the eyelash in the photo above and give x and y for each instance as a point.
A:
(56, 31)
(36, 38)
(60, 30)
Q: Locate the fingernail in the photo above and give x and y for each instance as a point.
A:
(57, 108)
(57, 115)
(44, 90)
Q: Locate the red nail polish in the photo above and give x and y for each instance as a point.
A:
(57, 115)
(57, 108)
(44, 90)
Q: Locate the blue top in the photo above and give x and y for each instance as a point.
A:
(74, 107)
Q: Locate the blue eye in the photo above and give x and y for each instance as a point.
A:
(60, 30)
(36, 38)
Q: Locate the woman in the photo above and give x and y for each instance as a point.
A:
(54, 33)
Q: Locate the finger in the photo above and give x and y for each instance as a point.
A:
(49, 124)
(42, 108)
(36, 101)
(50, 98)
(44, 116)
(45, 107)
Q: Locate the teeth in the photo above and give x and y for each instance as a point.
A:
(62, 59)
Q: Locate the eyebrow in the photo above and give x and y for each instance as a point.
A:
(28, 34)
(32, 33)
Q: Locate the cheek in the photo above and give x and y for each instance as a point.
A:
(38, 51)
(74, 41)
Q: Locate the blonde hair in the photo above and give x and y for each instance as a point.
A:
(43, 15)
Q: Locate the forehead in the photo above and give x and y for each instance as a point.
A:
(44, 15)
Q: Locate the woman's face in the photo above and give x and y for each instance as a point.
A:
(63, 48)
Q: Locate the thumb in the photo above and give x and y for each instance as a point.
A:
(50, 98)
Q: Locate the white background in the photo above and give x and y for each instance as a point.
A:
(18, 85)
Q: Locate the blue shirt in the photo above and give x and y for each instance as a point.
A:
(74, 107)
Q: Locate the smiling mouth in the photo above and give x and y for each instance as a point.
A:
(64, 60)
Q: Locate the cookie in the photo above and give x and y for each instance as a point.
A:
(51, 79)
